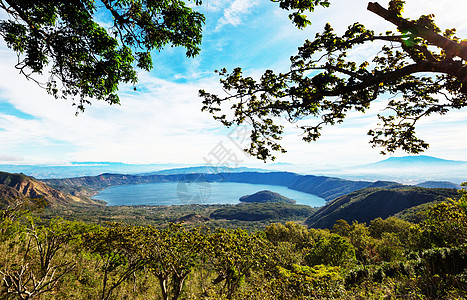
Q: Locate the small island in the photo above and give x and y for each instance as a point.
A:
(266, 197)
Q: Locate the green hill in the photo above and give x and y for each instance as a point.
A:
(266, 197)
(263, 211)
(367, 204)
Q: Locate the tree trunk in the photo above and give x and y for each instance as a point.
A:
(178, 285)
(163, 285)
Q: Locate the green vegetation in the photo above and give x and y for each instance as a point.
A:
(367, 204)
(248, 216)
(325, 81)
(266, 197)
(389, 258)
(263, 211)
(85, 60)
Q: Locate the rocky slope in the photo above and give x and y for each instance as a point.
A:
(13, 186)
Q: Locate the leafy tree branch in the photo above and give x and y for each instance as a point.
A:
(85, 61)
(421, 67)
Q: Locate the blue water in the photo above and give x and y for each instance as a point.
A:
(180, 193)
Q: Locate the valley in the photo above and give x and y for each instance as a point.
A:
(213, 199)
(360, 240)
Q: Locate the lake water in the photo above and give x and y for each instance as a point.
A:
(181, 193)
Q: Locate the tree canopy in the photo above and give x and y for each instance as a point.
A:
(83, 59)
(422, 67)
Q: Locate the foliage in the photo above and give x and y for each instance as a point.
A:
(389, 248)
(419, 61)
(290, 232)
(341, 227)
(360, 238)
(335, 251)
(170, 255)
(390, 259)
(304, 282)
(445, 224)
(234, 254)
(85, 60)
(297, 17)
(379, 226)
(15, 211)
(115, 248)
(35, 260)
(263, 211)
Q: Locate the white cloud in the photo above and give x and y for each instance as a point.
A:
(11, 158)
(164, 123)
(234, 13)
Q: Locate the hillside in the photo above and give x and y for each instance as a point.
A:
(263, 211)
(328, 188)
(266, 197)
(439, 184)
(367, 204)
(14, 186)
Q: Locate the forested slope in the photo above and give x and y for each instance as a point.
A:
(367, 204)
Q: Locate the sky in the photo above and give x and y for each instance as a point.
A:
(162, 121)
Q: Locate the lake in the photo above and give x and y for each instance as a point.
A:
(181, 193)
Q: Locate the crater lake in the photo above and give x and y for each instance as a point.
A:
(183, 193)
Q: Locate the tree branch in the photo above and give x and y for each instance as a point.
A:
(432, 37)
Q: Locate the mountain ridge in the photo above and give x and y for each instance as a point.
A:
(367, 204)
(13, 186)
(416, 159)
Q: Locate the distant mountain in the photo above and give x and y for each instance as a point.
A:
(415, 161)
(13, 186)
(78, 169)
(439, 184)
(329, 187)
(369, 203)
(266, 197)
(204, 170)
(281, 164)
(91, 168)
(386, 184)
(408, 169)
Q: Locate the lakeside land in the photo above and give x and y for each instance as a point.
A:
(373, 240)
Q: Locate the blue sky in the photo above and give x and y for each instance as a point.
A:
(162, 121)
